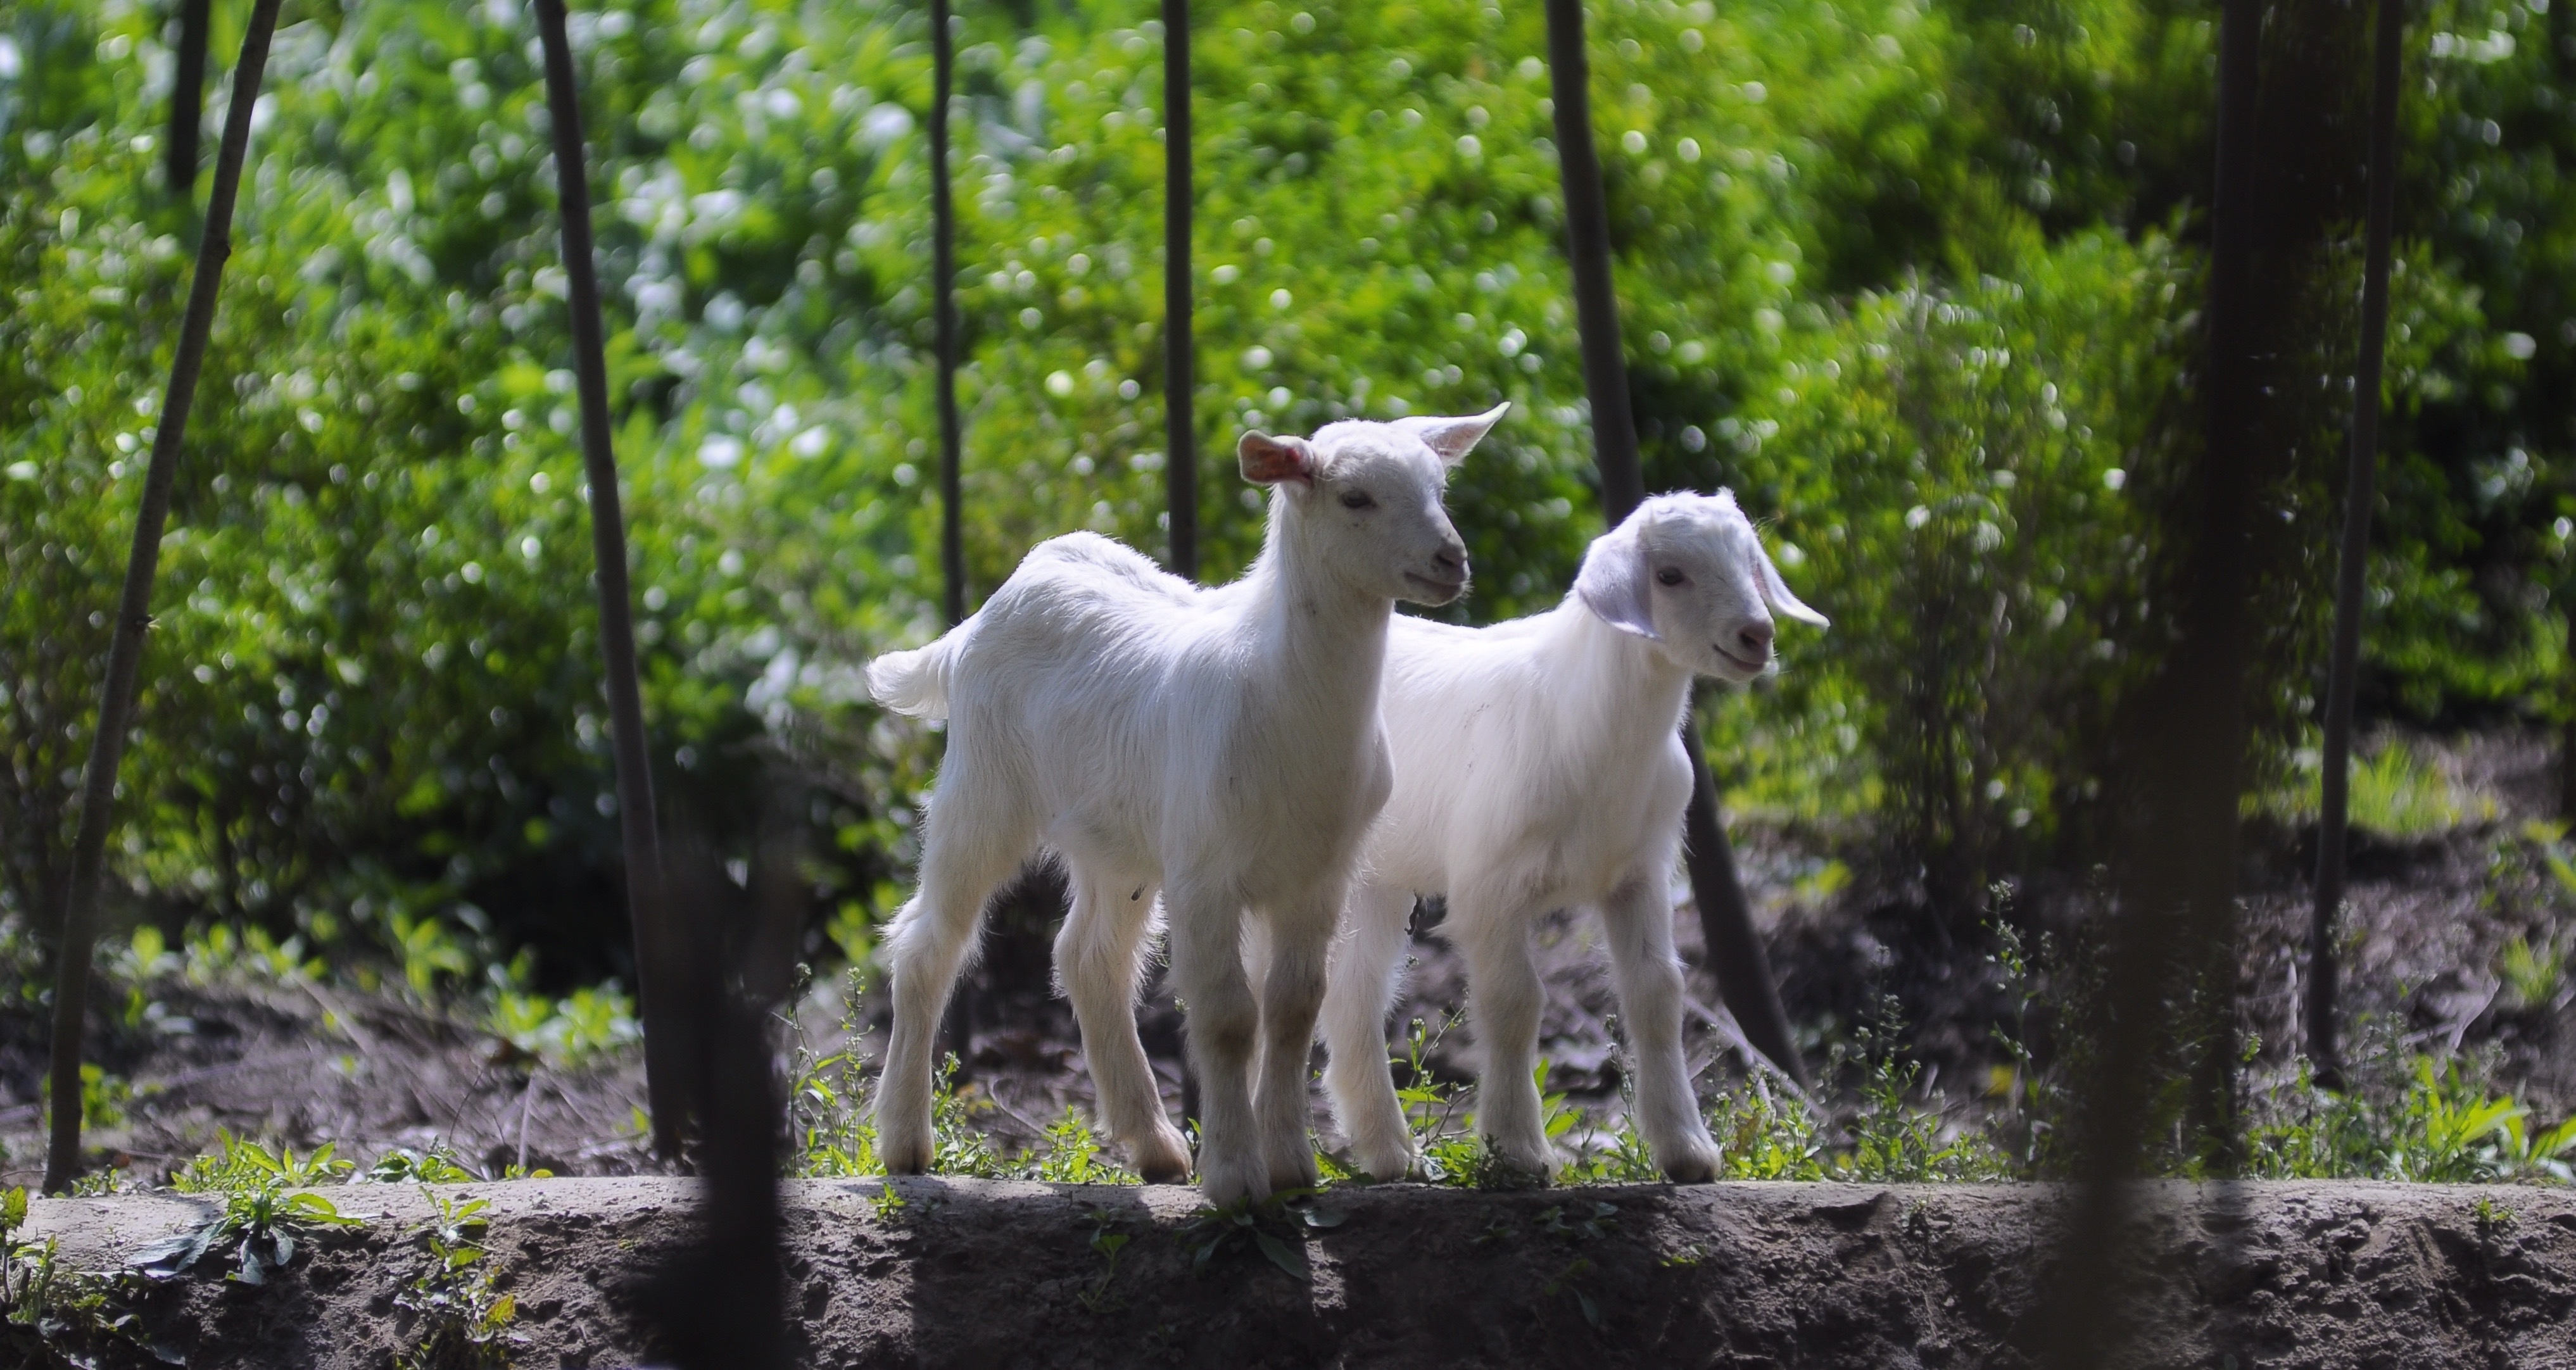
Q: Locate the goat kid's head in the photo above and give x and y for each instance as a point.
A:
(1687, 572)
(1363, 500)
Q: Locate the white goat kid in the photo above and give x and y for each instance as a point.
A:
(1538, 766)
(1221, 746)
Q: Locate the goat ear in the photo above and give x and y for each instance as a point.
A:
(1613, 583)
(1454, 438)
(1268, 461)
(1776, 591)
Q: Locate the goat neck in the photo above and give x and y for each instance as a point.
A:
(1312, 623)
(1616, 692)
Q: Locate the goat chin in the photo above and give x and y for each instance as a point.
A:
(1191, 754)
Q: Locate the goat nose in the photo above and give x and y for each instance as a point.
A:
(1452, 557)
(1756, 638)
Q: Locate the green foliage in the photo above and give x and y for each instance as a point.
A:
(404, 1165)
(2533, 972)
(832, 1132)
(1108, 1241)
(828, 1127)
(464, 1325)
(1761, 1137)
(240, 1167)
(103, 1096)
(570, 1032)
(26, 1265)
(1983, 437)
(257, 1209)
(2395, 792)
(1434, 1110)
(2444, 1128)
(1892, 1141)
(1274, 1225)
(1073, 1156)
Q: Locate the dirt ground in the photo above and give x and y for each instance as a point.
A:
(988, 1274)
(304, 1064)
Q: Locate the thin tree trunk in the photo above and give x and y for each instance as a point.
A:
(943, 295)
(1180, 432)
(2176, 908)
(958, 1023)
(133, 611)
(1180, 362)
(188, 96)
(666, 1055)
(2360, 493)
(1735, 952)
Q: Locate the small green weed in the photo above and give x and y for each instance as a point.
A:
(2395, 793)
(465, 1325)
(403, 1165)
(2444, 1127)
(45, 1308)
(2532, 973)
(26, 1267)
(1073, 1156)
(1260, 1223)
(1761, 1138)
(241, 1167)
(431, 954)
(1108, 1241)
(257, 1210)
(1567, 1281)
(566, 1033)
(1891, 1140)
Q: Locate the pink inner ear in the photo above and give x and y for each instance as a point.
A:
(1272, 461)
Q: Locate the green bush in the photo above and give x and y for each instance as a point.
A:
(372, 702)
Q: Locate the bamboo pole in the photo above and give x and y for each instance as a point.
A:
(1180, 432)
(1735, 955)
(2360, 494)
(666, 1058)
(133, 611)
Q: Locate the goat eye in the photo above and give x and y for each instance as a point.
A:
(1668, 576)
(1356, 499)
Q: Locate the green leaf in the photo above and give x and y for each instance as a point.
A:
(1279, 1253)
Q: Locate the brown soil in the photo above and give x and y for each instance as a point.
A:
(302, 1065)
(1005, 1274)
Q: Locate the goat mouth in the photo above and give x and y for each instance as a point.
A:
(1446, 590)
(1750, 668)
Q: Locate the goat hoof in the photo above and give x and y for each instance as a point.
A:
(906, 1158)
(1540, 1162)
(1694, 1165)
(1163, 1158)
(1388, 1163)
(1295, 1174)
(1230, 1182)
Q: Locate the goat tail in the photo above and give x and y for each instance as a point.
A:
(917, 682)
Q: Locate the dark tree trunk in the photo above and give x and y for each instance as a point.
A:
(1735, 954)
(2360, 493)
(657, 958)
(133, 612)
(943, 295)
(1180, 430)
(2175, 913)
(188, 96)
